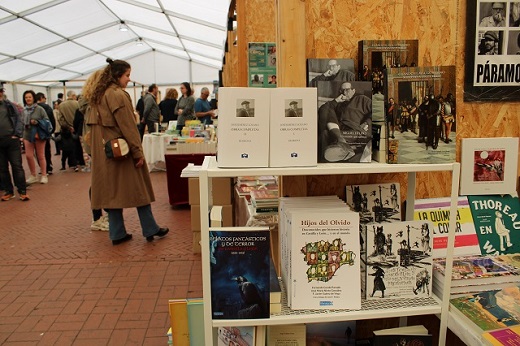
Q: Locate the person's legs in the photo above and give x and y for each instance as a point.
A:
(15, 159)
(5, 177)
(148, 224)
(48, 156)
(80, 159)
(29, 155)
(116, 224)
(40, 153)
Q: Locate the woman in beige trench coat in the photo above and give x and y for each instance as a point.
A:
(118, 184)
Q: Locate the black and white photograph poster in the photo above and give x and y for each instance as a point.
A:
(492, 70)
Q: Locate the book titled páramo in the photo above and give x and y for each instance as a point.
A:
(239, 271)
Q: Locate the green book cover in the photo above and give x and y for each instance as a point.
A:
(195, 321)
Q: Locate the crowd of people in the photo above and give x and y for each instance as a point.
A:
(79, 126)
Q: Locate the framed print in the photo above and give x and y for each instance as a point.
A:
(489, 166)
(492, 66)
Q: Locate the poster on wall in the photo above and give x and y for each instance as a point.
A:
(262, 64)
(492, 71)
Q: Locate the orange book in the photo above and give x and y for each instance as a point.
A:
(179, 322)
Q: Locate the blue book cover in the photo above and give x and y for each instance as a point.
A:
(240, 271)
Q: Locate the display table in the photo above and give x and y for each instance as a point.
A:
(177, 186)
(154, 147)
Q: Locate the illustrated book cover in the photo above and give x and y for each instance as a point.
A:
(502, 337)
(399, 262)
(489, 310)
(243, 127)
(327, 70)
(331, 333)
(344, 122)
(437, 211)
(243, 336)
(325, 260)
(293, 124)
(489, 166)
(375, 202)
(421, 114)
(239, 272)
(497, 223)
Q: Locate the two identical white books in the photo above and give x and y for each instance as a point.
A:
(267, 127)
(320, 253)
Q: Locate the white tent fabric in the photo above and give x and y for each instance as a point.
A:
(46, 43)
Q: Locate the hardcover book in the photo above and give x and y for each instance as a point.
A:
(437, 211)
(195, 309)
(286, 335)
(331, 333)
(243, 127)
(399, 262)
(179, 321)
(506, 336)
(293, 124)
(344, 122)
(327, 70)
(239, 272)
(488, 166)
(497, 223)
(421, 113)
(243, 336)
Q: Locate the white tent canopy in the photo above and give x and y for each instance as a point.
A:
(47, 43)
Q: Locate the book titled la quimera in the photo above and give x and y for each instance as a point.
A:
(293, 125)
(239, 272)
(243, 129)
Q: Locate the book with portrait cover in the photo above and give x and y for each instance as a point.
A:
(421, 114)
(327, 70)
(497, 223)
(325, 260)
(437, 211)
(239, 272)
(489, 165)
(243, 129)
(293, 124)
(399, 262)
(344, 121)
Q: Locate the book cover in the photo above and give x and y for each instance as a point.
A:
(506, 336)
(421, 113)
(375, 202)
(488, 165)
(325, 260)
(344, 122)
(398, 340)
(275, 291)
(331, 333)
(195, 309)
(399, 262)
(339, 70)
(437, 211)
(239, 272)
(286, 335)
(242, 336)
(243, 127)
(179, 321)
(489, 310)
(293, 126)
(497, 223)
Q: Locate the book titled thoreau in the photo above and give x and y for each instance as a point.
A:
(243, 127)
(293, 124)
(239, 272)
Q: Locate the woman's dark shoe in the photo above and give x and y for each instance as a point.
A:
(127, 237)
(161, 233)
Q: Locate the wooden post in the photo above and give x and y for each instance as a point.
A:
(241, 44)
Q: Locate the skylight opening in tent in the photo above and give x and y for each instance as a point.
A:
(58, 55)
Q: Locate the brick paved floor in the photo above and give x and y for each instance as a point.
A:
(63, 284)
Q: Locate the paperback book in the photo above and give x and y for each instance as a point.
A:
(375, 202)
(239, 272)
(293, 126)
(179, 321)
(437, 211)
(497, 223)
(399, 262)
(327, 70)
(286, 335)
(344, 122)
(195, 309)
(331, 333)
(243, 336)
(506, 336)
(411, 335)
(421, 114)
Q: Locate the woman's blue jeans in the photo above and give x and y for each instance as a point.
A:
(116, 223)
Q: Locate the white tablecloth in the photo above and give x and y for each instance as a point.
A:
(154, 147)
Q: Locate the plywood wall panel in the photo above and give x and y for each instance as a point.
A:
(260, 21)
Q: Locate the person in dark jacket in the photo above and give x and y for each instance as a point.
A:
(42, 102)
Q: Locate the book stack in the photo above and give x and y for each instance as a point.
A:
(474, 274)
(246, 184)
(319, 249)
(264, 201)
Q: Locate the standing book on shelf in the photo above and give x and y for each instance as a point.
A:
(375, 202)
(344, 122)
(243, 127)
(331, 333)
(489, 165)
(497, 223)
(430, 90)
(407, 336)
(243, 336)
(399, 262)
(328, 70)
(179, 322)
(239, 272)
(195, 309)
(285, 335)
(293, 124)
(437, 211)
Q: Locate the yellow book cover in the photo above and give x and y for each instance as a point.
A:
(500, 337)
(179, 322)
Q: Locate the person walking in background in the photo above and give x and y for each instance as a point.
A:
(203, 109)
(11, 130)
(151, 111)
(125, 183)
(184, 107)
(42, 102)
(167, 106)
(31, 114)
(57, 129)
(139, 108)
(68, 110)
